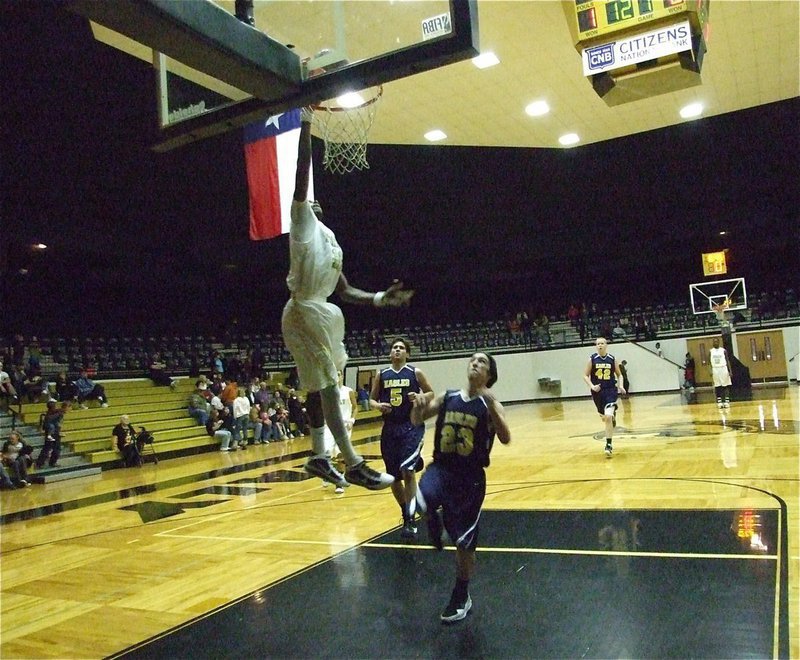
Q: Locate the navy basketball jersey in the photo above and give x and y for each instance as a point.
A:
(395, 387)
(603, 370)
(463, 439)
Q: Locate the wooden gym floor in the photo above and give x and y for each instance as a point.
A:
(685, 544)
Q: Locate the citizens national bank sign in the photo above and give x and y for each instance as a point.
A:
(641, 47)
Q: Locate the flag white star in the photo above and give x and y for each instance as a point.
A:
(275, 121)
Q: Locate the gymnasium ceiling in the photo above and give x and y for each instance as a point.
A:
(752, 59)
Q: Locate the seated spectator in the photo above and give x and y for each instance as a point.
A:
(199, 406)
(280, 423)
(88, 389)
(215, 426)
(297, 413)
(125, 440)
(263, 396)
(217, 384)
(157, 371)
(18, 378)
(618, 332)
(51, 428)
(277, 400)
(7, 388)
(16, 453)
(36, 385)
(5, 480)
(65, 389)
(264, 430)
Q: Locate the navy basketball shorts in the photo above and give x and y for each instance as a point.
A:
(461, 497)
(401, 446)
(607, 396)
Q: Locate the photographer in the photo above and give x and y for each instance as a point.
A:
(125, 440)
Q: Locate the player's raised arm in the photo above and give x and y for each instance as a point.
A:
(394, 296)
(424, 408)
(426, 391)
(498, 416)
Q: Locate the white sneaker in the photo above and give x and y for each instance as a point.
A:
(104, 405)
(339, 490)
(84, 406)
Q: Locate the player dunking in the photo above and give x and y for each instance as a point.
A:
(604, 379)
(313, 328)
(394, 392)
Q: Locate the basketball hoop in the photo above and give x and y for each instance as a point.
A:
(345, 130)
(719, 310)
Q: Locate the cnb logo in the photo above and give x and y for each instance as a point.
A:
(600, 56)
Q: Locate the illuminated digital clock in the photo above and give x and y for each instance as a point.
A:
(601, 17)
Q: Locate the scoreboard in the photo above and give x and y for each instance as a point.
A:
(598, 18)
(630, 48)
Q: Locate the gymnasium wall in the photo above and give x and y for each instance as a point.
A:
(519, 373)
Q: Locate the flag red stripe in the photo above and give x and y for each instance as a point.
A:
(261, 159)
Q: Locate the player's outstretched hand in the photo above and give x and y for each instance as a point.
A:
(397, 296)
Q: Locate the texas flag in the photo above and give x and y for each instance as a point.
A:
(270, 151)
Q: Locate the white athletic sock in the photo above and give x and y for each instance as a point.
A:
(333, 418)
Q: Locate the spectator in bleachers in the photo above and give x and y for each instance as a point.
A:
(18, 378)
(65, 389)
(297, 413)
(240, 409)
(36, 385)
(5, 480)
(277, 400)
(217, 365)
(219, 427)
(542, 326)
(217, 384)
(15, 454)
(229, 392)
(7, 388)
(125, 441)
(263, 395)
(256, 358)
(640, 328)
(88, 389)
(618, 332)
(199, 406)
(157, 372)
(51, 428)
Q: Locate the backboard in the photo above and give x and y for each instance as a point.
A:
(705, 296)
(216, 73)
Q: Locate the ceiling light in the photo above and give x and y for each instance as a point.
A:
(723, 233)
(435, 135)
(485, 60)
(569, 139)
(537, 108)
(350, 100)
(692, 110)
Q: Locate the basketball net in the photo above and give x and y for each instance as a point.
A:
(345, 131)
(719, 312)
